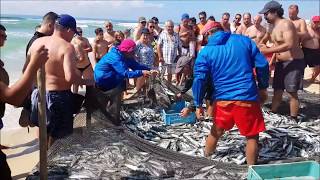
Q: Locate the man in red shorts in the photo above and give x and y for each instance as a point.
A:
(228, 60)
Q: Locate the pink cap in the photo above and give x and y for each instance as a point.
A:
(210, 25)
(316, 19)
(127, 45)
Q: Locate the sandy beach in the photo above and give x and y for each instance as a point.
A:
(23, 153)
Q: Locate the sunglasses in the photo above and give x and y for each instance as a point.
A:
(201, 18)
(151, 26)
(143, 22)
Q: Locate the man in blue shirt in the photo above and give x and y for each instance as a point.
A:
(229, 60)
(113, 68)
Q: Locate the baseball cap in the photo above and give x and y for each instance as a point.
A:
(127, 45)
(269, 6)
(67, 21)
(315, 19)
(142, 19)
(210, 25)
(181, 63)
(145, 31)
(185, 16)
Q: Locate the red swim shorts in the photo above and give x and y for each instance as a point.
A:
(246, 115)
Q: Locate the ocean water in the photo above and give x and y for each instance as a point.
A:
(20, 29)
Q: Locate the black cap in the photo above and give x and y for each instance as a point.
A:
(269, 6)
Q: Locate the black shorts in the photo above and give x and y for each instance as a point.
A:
(311, 57)
(5, 172)
(288, 75)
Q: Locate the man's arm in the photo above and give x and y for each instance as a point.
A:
(16, 93)
(201, 70)
(288, 37)
(121, 68)
(303, 33)
(159, 49)
(261, 65)
(134, 65)
(88, 48)
(72, 75)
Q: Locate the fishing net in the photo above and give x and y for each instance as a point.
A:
(99, 150)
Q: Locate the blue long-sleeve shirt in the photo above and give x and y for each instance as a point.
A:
(230, 59)
(113, 68)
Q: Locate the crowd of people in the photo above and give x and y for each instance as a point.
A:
(227, 63)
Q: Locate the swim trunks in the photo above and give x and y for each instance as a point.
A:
(288, 75)
(311, 56)
(245, 114)
(60, 109)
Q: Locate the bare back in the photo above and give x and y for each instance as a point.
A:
(313, 41)
(285, 33)
(256, 34)
(61, 65)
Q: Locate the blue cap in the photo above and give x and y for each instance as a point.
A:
(185, 16)
(68, 21)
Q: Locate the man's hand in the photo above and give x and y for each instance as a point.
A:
(199, 113)
(146, 73)
(154, 72)
(185, 112)
(263, 96)
(263, 48)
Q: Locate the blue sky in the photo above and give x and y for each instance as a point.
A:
(164, 10)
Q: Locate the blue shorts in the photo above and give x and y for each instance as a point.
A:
(59, 112)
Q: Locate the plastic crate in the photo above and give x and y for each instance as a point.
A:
(306, 170)
(172, 115)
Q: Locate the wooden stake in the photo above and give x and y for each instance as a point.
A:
(41, 81)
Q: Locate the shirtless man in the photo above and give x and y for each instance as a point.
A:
(100, 46)
(46, 29)
(311, 47)
(109, 33)
(246, 23)
(82, 47)
(142, 22)
(203, 20)
(289, 69)
(256, 32)
(61, 73)
(299, 23)
(188, 39)
(225, 22)
(236, 23)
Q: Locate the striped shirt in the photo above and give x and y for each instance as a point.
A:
(170, 45)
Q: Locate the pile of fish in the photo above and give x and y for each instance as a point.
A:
(284, 138)
(109, 153)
